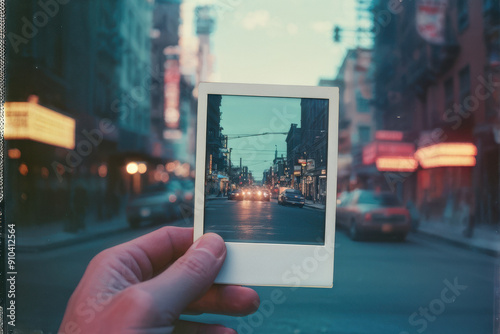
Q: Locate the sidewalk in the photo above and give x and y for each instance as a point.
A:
(313, 205)
(52, 235)
(485, 239)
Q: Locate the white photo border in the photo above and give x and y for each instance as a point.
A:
(266, 264)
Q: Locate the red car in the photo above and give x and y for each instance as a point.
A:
(366, 212)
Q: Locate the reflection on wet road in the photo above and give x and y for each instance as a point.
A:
(267, 222)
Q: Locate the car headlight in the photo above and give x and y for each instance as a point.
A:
(260, 193)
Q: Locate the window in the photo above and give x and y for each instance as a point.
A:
(388, 199)
(364, 133)
(363, 105)
(463, 14)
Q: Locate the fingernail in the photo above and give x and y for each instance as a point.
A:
(212, 243)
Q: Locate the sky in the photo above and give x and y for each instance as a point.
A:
(274, 42)
(270, 42)
(250, 115)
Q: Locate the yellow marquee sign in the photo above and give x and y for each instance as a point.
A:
(26, 120)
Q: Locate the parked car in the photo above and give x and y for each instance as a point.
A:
(368, 212)
(291, 197)
(157, 202)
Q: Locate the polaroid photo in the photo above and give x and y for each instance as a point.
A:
(266, 167)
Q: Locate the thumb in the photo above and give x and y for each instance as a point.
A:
(188, 278)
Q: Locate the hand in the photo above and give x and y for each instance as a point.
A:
(144, 285)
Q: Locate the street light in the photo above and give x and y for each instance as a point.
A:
(142, 168)
(132, 168)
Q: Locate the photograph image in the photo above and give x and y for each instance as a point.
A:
(266, 162)
(250, 166)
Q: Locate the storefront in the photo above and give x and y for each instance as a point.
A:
(444, 182)
(37, 190)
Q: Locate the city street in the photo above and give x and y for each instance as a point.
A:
(260, 221)
(379, 287)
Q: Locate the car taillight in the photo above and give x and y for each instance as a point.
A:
(368, 216)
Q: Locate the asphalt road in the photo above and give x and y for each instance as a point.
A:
(260, 221)
(379, 287)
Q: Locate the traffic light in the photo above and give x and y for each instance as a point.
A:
(336, 34)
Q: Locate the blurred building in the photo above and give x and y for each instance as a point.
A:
(173, 106)
(165, 81)
(84, 64)
(436, 83)
(205, 25)
(356, 116)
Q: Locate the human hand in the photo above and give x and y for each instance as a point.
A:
(144, 285)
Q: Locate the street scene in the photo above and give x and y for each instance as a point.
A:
(264, 221)
(239, 144)
(379, 287)
(99, 143)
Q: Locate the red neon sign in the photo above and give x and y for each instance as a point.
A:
(396, 164)
(447, 155)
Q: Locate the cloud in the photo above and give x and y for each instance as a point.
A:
(292, 29)
(322, 27)
(259, 18)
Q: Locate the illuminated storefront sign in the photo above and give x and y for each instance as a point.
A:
(453, 149)
(449, 161)
(376, 150)
(26, 120)
(399, 164)
(447, 155)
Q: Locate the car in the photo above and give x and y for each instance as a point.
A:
(261, 194)
(291, 197)
(235, 194)
(157, 202)
(247, 193)
(368, 212)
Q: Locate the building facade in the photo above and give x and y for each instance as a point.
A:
(86, 64)
(442, 92)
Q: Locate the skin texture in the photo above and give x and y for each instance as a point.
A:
(144, 285)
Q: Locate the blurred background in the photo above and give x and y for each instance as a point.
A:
(101, 120)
